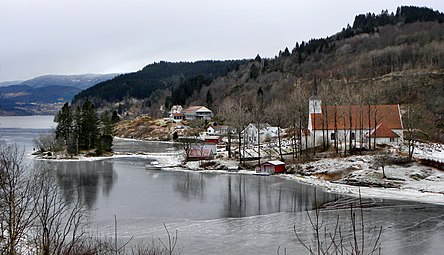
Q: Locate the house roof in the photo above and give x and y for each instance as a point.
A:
(211, 137)
(192, 109)
(203, 109)
(382, 131)
(261, 125)
(220, 127)
(197, 108)
(274, 162)
(200, 153)
(362, 116)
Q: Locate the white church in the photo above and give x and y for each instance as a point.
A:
(355, 123)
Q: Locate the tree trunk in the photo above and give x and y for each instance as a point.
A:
(258, 145)
(336, 129)
(376, 124)
(280, 143)
(369, 128)
(229, 143)
(240, 148)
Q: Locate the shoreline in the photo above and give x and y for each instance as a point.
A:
(370, 192)
(428, 189)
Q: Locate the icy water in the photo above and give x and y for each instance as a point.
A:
(222, 213)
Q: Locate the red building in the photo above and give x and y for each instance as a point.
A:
(272, 167)
(196, 154)
(212, 139)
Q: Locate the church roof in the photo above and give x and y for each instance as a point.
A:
(382, 131)
(362, 117)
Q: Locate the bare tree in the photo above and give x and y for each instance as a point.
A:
(59, 224)
(277, 115)
(328, 242)
(48, 142)
(383, 159)
(257, 116)
(410, 133)
(237, 115)
(17, 205)
(295, 109)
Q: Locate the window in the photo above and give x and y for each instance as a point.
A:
(352, 136)
(332, 136)
(392, 140)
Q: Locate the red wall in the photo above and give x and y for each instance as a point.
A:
(280, 169)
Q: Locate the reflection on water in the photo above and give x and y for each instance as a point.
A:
(191, 186)
(258, 195)
(201, 195)
(83, 179)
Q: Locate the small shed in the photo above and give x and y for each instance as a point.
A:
(212, 139)
(196, 154)
(272, 167)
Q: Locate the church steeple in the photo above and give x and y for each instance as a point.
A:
(314, 102)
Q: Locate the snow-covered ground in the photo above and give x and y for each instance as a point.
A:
(432, 151)
(403, 181)
(407, 182)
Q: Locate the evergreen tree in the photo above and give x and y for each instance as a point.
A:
(209, 99)
(106, 134)
(64, 119)
(286, 52)
(89, 126)
(254, 71)
(115, 117)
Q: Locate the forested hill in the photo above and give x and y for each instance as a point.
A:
(386, 58)
(157, 76)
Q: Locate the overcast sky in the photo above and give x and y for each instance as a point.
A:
(39, 37)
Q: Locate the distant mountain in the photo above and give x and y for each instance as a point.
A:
(43, 94)
(9, 83)
(28, 94)
(82, 81)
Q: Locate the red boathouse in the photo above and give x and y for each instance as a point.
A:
(272, 167)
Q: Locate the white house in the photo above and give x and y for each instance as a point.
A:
(356, 123)
(266, 132)
(218, 130)
(176, 113)
(198, 112)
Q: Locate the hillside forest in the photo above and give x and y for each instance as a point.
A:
(386, 58)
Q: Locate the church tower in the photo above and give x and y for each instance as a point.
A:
(314, 102)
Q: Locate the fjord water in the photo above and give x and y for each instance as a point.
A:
(220, 213)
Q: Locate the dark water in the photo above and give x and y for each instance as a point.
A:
(227, 213)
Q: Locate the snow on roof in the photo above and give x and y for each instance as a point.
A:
(203, 109)
(274, 162)
(197, 108)
(212, 137)
(220, 127)
(261, 125)
(199, 152)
